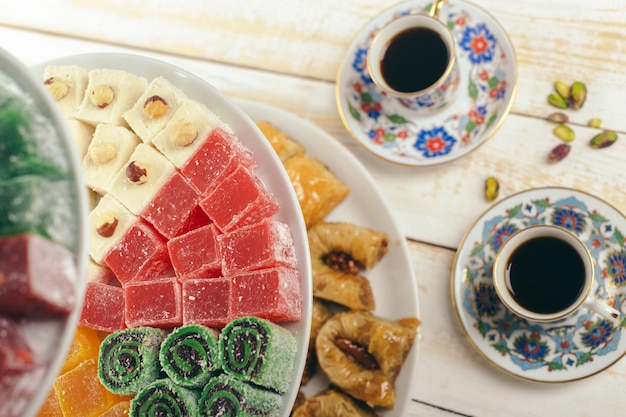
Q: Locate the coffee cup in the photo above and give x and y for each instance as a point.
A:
(545, 273)
(413, 58)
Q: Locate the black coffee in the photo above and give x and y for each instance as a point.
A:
(545, 275)
(414, 60)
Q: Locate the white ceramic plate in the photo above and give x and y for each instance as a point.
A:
(270, 169)
(49, 338)
(392, 280)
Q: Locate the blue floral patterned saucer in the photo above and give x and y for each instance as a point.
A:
(487, 87)
(579, 346)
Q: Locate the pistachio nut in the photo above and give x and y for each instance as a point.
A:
(558, 117)
(562, 88)
(558, 101)
(603, 140)
(559, 152)
(595, 122)
(564, 132)
(578, 95)
(492, 188)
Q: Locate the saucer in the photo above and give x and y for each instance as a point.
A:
(487, 87)
(573, 348)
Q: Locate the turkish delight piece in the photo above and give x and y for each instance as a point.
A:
(273, 294)
(206, 301)
(189, 127)
(33, 204)
(109, 94)
(50, 406)
(85, 345)
(240, 199)
(140, 255)
(173, 204)
(154, 303)
(118, 410)
(80, 392)
(67, 85)
(138, 181)
(108, 223)
(82, 133)
(196, 254)
(216, 157)
(103, 307)
(154, 108)
(108, 151)
(37, 276)
(259, 246)
(197, 218)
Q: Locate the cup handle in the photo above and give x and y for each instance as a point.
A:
(603, 309)
(435, 7)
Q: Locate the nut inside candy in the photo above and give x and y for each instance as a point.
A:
(101, 153)
(102, 96)
(154, 106)
(57, 87)
(136, 173)
(107, 223)
(183, 133)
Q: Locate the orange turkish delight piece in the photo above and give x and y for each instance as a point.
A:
(85, 345)
(121, 409)
(50, 407)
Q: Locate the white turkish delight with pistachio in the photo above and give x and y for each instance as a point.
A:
(109, 94)
(108, 151)
(66, 84)
(141, 177)
(185, 132)
(154, 108)
(108, 223)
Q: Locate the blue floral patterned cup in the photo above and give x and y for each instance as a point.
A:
(430, 78)
(545, 273)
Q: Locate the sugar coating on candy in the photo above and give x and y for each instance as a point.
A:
(216, 157)
(196, 254)
(37, 276)
(156, 303)
(228, 396)
(108, 223)
(103, 307)
(263, 245)
(80, 392)
(258, 351)
(138, 181)
(129, 359)
(189, 127)
(108, 95)
(206, 301)
(140, 255)
(273, 294)
(109, 149)
(172, 206)
(189, 355)
(166, 398)
(154, 108)
(239, 199)
(67, 84)
(120, 409)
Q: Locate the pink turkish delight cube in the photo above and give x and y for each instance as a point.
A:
(155, 303)
(172, 206)
(140, 255)
(196, 254)
(206, 301)
(218, 155)
(37, 276)
(239, 199)
(103, 307)
(272, 294)
(263, 245)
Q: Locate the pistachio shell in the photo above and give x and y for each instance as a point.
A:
(562, 88)
(578, 95)
(559, 152)
(603, 140)
(564, 133)
(558, 101)
(492, 188)
(558, 117)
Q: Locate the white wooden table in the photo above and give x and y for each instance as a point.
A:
(286, 53)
